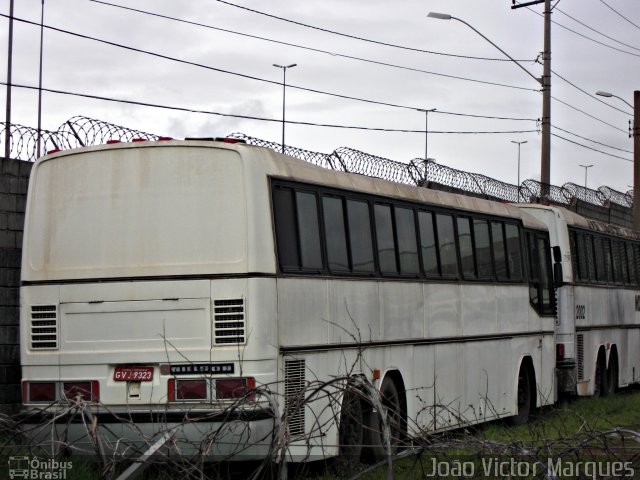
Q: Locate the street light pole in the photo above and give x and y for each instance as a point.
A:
(635, 133)
(585, 177)
(7, 127)
(544, 82)
(426, 130)
(519, 144)
(284, 92)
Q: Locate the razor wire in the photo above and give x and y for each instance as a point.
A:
(81, 131)
(76, 132)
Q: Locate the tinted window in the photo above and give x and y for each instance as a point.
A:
(285, 219)
(591, 258)
(499, 254)
(608, 258)
(309, 231)
(447, 245)
(483, 248)
(335, 234)
(583, 257)
(360, 236)
(631, 264)
(384, 237)
(466, 248)
(546, 286)
(407, 243)
(428, 243)
(514, 254)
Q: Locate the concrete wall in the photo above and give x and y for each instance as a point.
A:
(14, 177)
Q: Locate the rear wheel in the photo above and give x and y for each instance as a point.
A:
(350, 433)
(525, 397)
(374, 433)
(601, 385)
(612, 374)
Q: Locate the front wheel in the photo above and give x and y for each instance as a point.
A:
(525, 396)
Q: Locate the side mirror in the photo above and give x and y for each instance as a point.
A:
(557, 274)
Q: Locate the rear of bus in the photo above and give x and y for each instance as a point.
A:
(144, 302)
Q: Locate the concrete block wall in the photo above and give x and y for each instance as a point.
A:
(14, 178)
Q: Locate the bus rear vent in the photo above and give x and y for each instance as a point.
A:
(294, 385)
(44, 327)
(580, 354)
(229, 318)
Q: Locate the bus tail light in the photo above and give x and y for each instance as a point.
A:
(187, 389)
(229, 388)
(89, 391)
(39, 391)
(560, 351)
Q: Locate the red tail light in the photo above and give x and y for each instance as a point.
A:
(89, 391)
(164, 139)
(191, 389)
(40, 391)
(560, 351)
(138, 139)
(55, 150)
(111, 142)
(234, 387)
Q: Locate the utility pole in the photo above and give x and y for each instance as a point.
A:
(635, 129)
(7, 131)
(545, 82)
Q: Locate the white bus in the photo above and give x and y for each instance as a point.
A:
(184, 285)
(598, 326)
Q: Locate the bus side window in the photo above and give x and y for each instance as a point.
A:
(428, 243)
(636, 255)
(465, 243)
(499, 250)
(447, 245)
(309, 231)
(534, 270)
(407, 243)
(631, 264)
(483, 248)
(360, 239)
(608, 259)
(286, 234)
(601, 269)
(514, 251)
(335, 234)
(546, 276)
(384, 238)
(591, 258)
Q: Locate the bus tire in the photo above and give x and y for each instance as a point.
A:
(350, 432)
(525, 396)
(375, 449)
(601, 387)
(612, 373)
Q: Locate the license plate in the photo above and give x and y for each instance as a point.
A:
(136, 374)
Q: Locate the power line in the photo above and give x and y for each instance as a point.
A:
(363, 39)
(591, 140)
(597, 31)
(618, 13)
(262, 119)
(251, 77)
(588, 114)
(312, 49)
(592, 149)
(583, 36)
(589, 94)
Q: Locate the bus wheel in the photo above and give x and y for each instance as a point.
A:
(350, 433)
(525, 397)
(612, 374)
(601, 384)
(375, 449)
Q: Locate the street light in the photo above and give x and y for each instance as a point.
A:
(585, 177)
(609, 95)
(426, 130)
(519, 143)
(284, 90)
(635, 133)
(544, 81)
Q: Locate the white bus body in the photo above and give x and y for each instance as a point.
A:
(598, 325)
(150, 265)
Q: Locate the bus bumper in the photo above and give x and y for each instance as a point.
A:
(231, 435)
(566, 377)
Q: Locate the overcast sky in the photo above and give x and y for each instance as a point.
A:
(84, 66)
